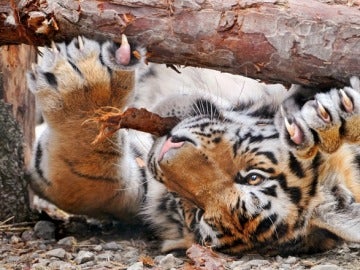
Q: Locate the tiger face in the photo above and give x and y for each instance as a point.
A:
(252, 187)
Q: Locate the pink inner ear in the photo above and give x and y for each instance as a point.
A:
(123, 54)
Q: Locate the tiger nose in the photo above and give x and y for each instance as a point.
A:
(168, 145)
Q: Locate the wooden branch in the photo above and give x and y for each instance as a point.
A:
(292, 41)
(111, 120)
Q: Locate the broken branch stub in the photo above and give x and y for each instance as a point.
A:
(111, 120)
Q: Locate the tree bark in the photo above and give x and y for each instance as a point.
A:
(17, 122)
(308, 42)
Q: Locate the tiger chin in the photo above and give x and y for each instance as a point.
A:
(249, 167)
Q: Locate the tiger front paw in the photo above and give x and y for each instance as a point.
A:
(73, 80)
(325, 121)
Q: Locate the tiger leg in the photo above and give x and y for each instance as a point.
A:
(325, 132)
(70, 84)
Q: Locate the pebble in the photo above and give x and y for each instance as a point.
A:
(57, 253)
(15, 240)
(325, 267)
(98, 248)
(68, 241)
(45, 230)
(28, 235)
(136, 266)
(111, 246)
(169, 261)
(290, 260)
(106, 256)
(84, 256)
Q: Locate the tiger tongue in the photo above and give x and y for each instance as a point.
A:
(167, 146)
(123, 54)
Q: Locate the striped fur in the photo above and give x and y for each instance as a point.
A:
(231, 174)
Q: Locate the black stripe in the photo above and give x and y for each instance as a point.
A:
(281, 230)
(252, 139)
(88, 176)
(109, 153)
(144, 181)
(294, 192)
(357, 161)
(269, 155)
(243, 219)
(266, 112)
(267, 206)
(75, 68)
(51, 79)
(270, 191)
(295, 166)
(243, 106)
(265, 224)
(38, 158)
(260, 138)
(315, 166)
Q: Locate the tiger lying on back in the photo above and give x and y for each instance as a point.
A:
(248, 167)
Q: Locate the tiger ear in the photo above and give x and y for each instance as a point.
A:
(340, 215)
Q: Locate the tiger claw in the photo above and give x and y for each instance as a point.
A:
(123, 54)
(346, 101)
(33, 68)
(294, 131)
(322, 112)
(54, 47)
(81, 43)
(289, 127)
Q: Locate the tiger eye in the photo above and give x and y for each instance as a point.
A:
(254, 179)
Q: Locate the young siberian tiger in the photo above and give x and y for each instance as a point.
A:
(248, 167)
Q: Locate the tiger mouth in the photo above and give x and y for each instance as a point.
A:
(172, 144)
(168, 147)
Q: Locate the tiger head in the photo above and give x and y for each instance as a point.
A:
(247, 191)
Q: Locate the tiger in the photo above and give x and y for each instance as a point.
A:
(249, 167)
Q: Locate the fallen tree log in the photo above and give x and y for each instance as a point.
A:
(310, 42)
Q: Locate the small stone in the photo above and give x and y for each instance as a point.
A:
(257, 262)
(106, 256)
(57, 253)
(169, 261)
(136, 266)
(68, 241)
(325, 267)
(84, 256)
(60, 265)
(12, 259)
(235, 264)
(286, 266)
(111, 246)
(157, 259)
(290, 260)
(98, 248)
(15, 239)
(45, 230)
(28, 235)
(279, 259)
(39, 266)
(130, 256)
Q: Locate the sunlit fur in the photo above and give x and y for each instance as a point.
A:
(232, 177)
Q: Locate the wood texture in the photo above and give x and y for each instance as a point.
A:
(17, 123)
(292, 41)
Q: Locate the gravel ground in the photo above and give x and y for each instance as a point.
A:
(79, 244)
